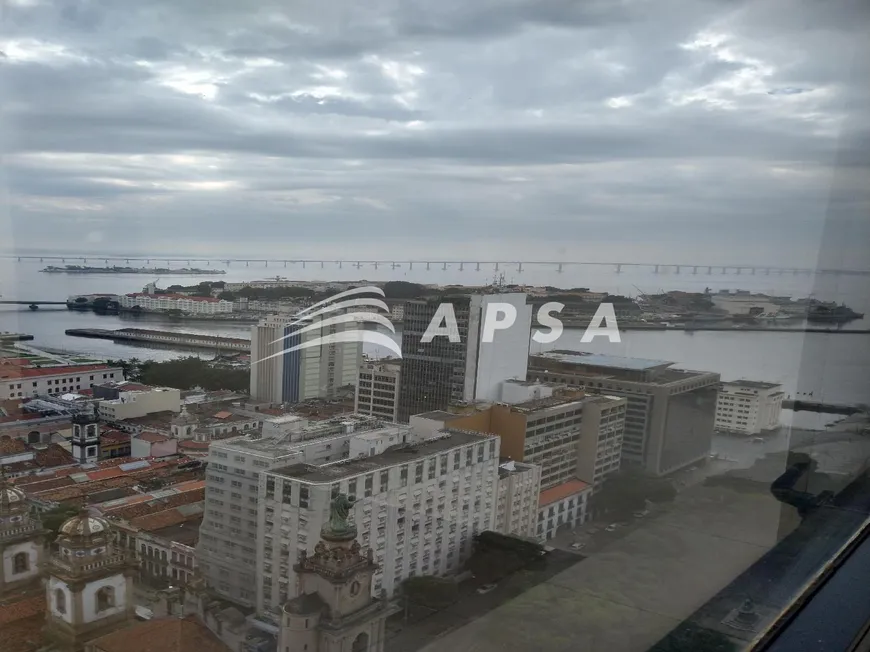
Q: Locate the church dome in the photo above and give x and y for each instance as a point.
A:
(85, 525)
(11, 499)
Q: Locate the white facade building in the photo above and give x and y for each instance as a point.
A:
(227, 547)
(294, 376)
(519, 486)
(748, 407)
(19, 382)
(139, 403)
(564, 505)
(418, 508)
(160, 302)
(377, 390)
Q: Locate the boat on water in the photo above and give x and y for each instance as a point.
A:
(162, 271)
(830, 313)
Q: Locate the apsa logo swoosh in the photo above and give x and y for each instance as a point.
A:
(352, 311)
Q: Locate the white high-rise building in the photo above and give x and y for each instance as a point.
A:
(299, 375)
(519, 486)
(417, 508)
(748, 407)
(227, 547)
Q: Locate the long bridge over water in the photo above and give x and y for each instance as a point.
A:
(455, 264)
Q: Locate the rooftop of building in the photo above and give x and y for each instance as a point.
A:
(21, 621)
(582, 358)
(437, 415)
(152, 437)
(561, 491)
(125, 386)
(751, 384)
(507, 467)
(400, 454)
(186, 634)
(180, 524)
(175, 495)
(15, 371)
(282, 444)
(562, 399)
(532, 383)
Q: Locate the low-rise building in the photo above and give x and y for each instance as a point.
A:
(418, 507)
(748, 407)
(519, 486)
(152, 444)
(17, 381)
(139, 402)
(564, 505)
(377, 390)
(180, 302)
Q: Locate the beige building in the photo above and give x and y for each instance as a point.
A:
(139, 403)
(748, 407)
(568, 434)
(669, 413)
(519, 486)
(377, 390)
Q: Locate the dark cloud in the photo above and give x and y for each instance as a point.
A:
(341, 123)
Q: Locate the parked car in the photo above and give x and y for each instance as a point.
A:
(640, 514)
(578, 546)
(486, 588)
(611, 528)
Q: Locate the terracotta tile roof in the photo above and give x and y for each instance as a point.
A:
(33, 372)
(104, 474)
(194, 445)
(129, 512)
(561, 491)
(9, 446)
(223, 414)
(152, 437)
(21, 623)
(162, 635)
(114, 436)
(164, 518)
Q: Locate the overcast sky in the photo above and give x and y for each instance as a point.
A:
(682, 130)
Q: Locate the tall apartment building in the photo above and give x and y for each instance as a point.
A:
(669, 412)
(748, 407)
(377, 390)
(227, 548)
(418, 508)
(568, 434)
(440, 372)
(519, 486)
(302, 374)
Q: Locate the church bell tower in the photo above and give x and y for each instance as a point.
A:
(335, 609)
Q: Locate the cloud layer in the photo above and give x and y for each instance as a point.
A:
(734, 130)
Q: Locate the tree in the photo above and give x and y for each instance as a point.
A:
(430, 591)
(54, 518)
(226, 296)
(402, 290)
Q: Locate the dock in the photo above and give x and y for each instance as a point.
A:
(166, 338)
(6, 338)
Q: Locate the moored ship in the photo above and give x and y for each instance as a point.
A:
(164, 271)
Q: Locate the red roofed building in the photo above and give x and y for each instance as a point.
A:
(562, 506)
(18, 381)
